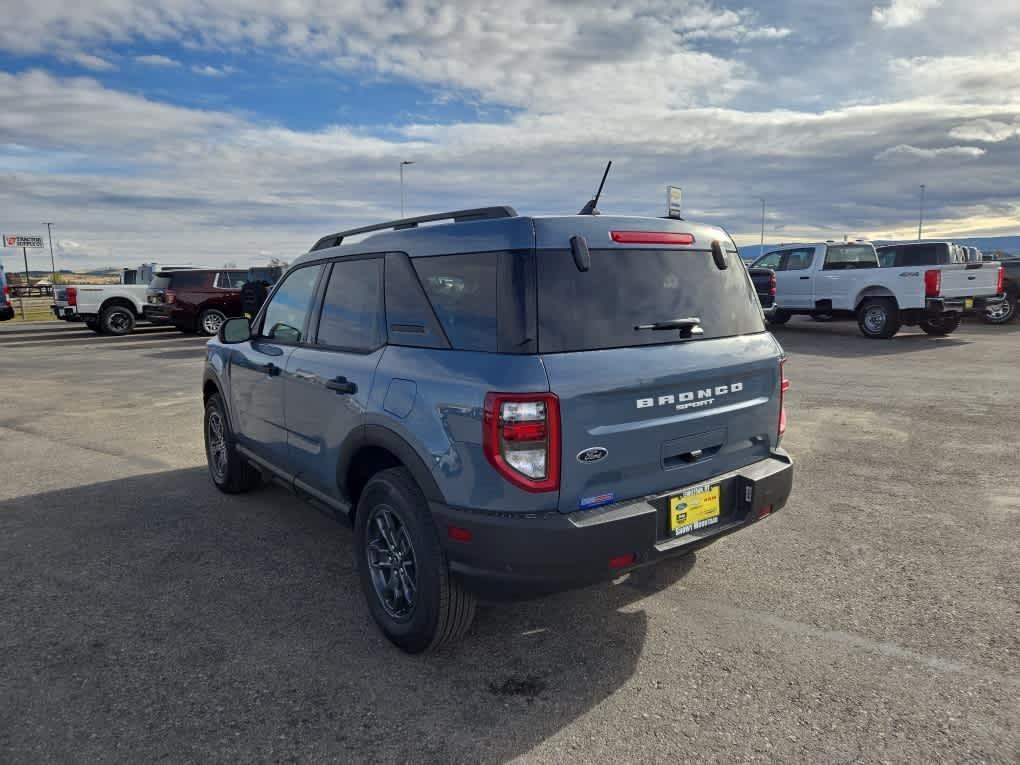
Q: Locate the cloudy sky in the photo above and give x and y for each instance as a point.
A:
(235, 130)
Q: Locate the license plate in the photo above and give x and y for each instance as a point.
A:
(968, 303)
(693, 509)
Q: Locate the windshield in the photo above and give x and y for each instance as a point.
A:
(626, 288)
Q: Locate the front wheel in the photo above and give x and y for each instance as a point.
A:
(229, 471)
(941, 325)
(878, 318)
(210, 321)
(1003, 313)
(404, 574)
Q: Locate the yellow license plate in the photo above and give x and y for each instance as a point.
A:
(694, 509)
(968, 303)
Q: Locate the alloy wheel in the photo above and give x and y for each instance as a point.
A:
(391, 563)
(216, 438)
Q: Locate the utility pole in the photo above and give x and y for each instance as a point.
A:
(53, 263)
(24, 254)
(920, 218)
(402, 163)
(762, 225)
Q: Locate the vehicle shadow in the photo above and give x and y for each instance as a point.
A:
(842, 339)
(154, 618)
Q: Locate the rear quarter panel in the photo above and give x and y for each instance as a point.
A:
(906, 285)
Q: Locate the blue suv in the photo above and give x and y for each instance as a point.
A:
(506, 405)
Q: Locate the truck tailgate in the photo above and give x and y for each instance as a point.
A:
(965, 280)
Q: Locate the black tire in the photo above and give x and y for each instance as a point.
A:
(777, 316)
(93, 324)
(210, 321)
(878, 318)
(230, 472)
(117, 320)
(942, 326)
(440, 610)
(187, 330)
(1006, 314)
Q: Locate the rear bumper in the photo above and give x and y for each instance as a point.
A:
(766, 300)
(67, 313)
(6, 312)
(513, 556)
(962, 305)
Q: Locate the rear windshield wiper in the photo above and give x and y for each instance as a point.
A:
(688, 326)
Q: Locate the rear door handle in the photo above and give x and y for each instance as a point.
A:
(341, 385)
(270, 369)
(804, 278)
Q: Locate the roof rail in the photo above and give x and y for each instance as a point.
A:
(457, 216)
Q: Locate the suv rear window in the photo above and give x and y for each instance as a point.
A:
(624, 288)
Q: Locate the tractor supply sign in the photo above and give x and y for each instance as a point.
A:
(17, 240)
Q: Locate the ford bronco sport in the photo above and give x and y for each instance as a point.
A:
(506, 405)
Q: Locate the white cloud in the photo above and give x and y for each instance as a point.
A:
(902, 13)
(987, 131)
(211, 71)
(87, 60)
(157, 60)
(906, 152)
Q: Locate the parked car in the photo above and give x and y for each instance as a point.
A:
(199, 300)
(1006, 311)
(831, 279)
(6, 309)
(111, 309)
(426, 384)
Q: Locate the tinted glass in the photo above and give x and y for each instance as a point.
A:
(285, 316)
(352, 311)
(463, 292)
(231, 279)
(409, 317)
(625, 288)
(159, 283)
(184, 280)
(798, 260)
(771, 260)
(849, 256)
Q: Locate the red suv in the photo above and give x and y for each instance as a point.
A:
(195, 301)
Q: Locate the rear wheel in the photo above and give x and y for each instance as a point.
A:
(878, 318)
(93, 324)
(210, 321)
(1003, 313)
(117, 320)
(229, 471)
(778, 316)
(942, 325)
(413, 598)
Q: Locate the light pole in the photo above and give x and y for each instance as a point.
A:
(402, 163)
(53, 263)
(920, 218)
(762, 225)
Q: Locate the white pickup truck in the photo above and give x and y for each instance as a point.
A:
(110, 309)
(834, 279)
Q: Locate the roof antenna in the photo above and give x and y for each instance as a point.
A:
(590, 208)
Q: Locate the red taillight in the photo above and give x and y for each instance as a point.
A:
(932, 283)
(521, 438)
(1000, 285)
(650, 237)
(784, 386)
(72, 296)
(772, 284)
(457, 534)
(622, 561)
(169, 296)
(765, 510)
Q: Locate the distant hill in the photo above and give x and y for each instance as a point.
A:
(1010, 244)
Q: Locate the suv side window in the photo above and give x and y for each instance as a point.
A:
(231, 280)
(188, 280)
(463, 292)
(352, 309)
(287, 312)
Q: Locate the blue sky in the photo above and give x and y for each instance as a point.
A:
(176, 129)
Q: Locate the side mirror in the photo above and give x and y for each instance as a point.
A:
(579, 249)
(235, 331)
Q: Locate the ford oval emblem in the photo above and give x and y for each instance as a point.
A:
(594, 454)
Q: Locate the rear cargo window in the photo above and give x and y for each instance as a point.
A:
(625, 288)
(463, 293)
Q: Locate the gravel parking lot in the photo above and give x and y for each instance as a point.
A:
(144, 616)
